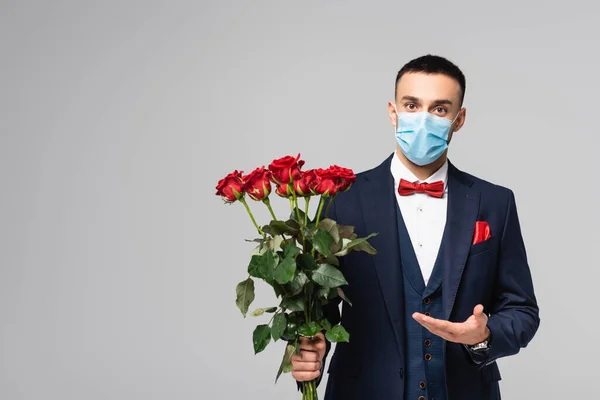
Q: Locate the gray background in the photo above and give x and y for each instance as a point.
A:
(118, 263)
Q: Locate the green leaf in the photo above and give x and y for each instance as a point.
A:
(308, 246)
(294, 216)
(293, 225)
(244, 295)
(331, 293)
(267, 267)
(295, 303)
(261, 338)
(306, 262)
(263, 266)
(333, 260)
(360, 244)
(257, 240)
(270, 230)
(286, 362)
(253, 267)
(337, 334)
(323, 292)
(316, 313)
(279, 325)
(290, 250)
(291, 330)
(344, 251)
(309, 329)
(364, 246)
(328, 276)
(325, 324)
(285, 270)
(274, 243)
(343, 295)
(278, 289)
(258, 312)
(330, 226)
(297, 284)
(259, 250)
(346, 231)
(322, 240)
(335, 247)
(280, 228)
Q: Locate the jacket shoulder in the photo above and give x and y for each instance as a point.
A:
(488, 188)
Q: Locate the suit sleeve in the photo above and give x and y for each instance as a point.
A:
(514, 313)
(331, 310)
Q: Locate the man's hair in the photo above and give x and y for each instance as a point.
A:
(430, 64)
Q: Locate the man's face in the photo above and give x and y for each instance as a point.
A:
(435, 93)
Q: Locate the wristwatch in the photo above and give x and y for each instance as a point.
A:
(479, 346)
(482, 346)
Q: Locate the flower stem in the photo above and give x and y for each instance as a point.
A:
(306, 307)
(329, 206)
(309, 391)
(243, 201)
(296, 204)
(307, 201)
(268, 204)
(321, 204)
(317, 222)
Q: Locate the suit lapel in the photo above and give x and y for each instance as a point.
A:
(378, 203)
(463, 207)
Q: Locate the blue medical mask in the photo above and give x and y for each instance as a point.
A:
(422, 136)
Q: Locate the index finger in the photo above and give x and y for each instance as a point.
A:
(311, 344)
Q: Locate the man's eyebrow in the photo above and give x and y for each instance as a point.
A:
(443, 101)
(411, 98)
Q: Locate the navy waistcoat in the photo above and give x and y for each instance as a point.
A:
(425, 375)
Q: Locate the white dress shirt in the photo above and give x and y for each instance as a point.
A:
(424, 215)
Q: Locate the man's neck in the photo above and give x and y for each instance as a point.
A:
(421, 172)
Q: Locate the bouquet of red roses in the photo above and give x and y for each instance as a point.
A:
(297, 256)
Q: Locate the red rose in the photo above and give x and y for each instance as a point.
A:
(333, 180)
(346, 177)
(284, 190)
(231, 188)
(307, 185)
(328, 182)
(257, 183)
(286, 169)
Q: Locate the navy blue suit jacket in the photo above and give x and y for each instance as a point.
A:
(494, 273)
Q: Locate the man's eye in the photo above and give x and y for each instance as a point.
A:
(410, 106)
(440, 110)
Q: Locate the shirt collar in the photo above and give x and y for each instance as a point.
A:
(399, 171)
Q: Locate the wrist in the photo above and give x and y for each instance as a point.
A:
(484, 343)
(488, 334)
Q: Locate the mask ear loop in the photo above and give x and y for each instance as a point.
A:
(396, 117)
(456, 117)
(453, 121)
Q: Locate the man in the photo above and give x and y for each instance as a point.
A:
(450, 290)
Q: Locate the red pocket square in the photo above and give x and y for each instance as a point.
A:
(482, 232)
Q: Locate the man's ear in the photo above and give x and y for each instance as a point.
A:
(460, 119)
(392, 113)
(458, 123)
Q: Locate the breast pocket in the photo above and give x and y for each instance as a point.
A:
(484, 246)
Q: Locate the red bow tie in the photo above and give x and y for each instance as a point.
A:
(435, 189)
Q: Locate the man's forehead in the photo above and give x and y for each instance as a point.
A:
(428, 86)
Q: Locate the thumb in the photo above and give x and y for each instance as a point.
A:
(478, 310)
